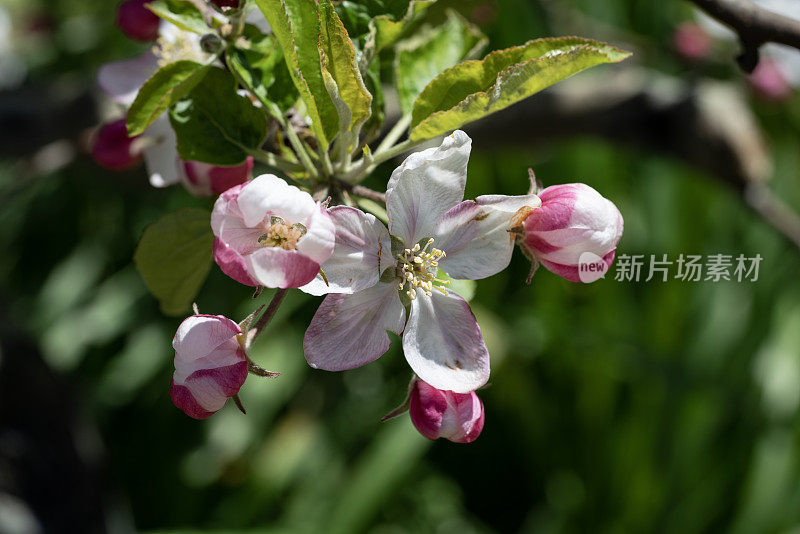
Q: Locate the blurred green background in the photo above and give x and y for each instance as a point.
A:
(613, 407)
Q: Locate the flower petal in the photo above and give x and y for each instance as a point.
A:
(161, 157)
(276, 267)
(443, 343)
(349, 331)
(121, 80)
(475, 237)
(268, 195)
(425, 186)
(232, 263)
(199, 335)
(362, 251)
(320, 236)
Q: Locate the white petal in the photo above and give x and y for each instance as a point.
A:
(320, 236)
(349, 331)
(161, 157)
(443, 343)
(121, 80)
(269, 195)
(363, 251)
(475, 237)
(200, 335)
(425, 186)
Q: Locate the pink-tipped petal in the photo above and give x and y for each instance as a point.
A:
(205, 180)
(425, 186)
(232, 263)
(349, 331)
(443, 343)
(362, 252)
(113, 149)
(276, 267)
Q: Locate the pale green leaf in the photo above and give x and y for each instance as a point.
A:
(181, 13)
(474, 89)
(430, 51)
(338, 57)
(388, 31)
(295, 24)
(216, 125)
(174, 257)
(163, 89)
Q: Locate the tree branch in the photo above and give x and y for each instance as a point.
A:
(754, 25)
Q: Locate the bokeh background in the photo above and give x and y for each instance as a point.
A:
(613, 407)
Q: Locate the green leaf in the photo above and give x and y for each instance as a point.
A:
(474, 89)
(216, 125)
(261, 69)
(340, 70)
(174, 257)
(295, 24)
(387, 30)
(181, 13)
(430, 51)
(163, 89)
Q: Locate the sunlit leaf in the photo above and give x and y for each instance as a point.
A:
(174, 257)
(162, 90)
(432, 50)
(181, 13)
(295, 25)
(474, 89)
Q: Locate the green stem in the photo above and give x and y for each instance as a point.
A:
(395, 133)
(273, 160)
(265, 318)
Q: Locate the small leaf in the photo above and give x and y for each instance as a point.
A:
(430, 51)
(388, 31)
(214, 124)
(181, 13)
(174, 257)
(474, 89)
(295, 24)
(263, 71)
(338, 62)
(164, 88)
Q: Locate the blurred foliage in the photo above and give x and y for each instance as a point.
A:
(613, 407)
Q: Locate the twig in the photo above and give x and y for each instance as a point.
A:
(754, 25)
(265, 318)
(363, 192)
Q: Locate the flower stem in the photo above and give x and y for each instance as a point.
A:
(265, 318)
(395, 133)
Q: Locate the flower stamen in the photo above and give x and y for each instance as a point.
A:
(418, 268)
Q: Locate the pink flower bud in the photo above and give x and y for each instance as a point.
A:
(572, 220)
(444, 414)
(210, 364)
(136, 21)
(226, 3)
(769, 82)
(691, 42)
(205, 180)
(270, 233)
(113, 149)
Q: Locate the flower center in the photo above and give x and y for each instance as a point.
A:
(176, 48)
(281, 234)
(418, 268)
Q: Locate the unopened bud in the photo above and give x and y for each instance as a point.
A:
(211, 43)
(210, 364)
(445, 414)
(573, 219)
(205, 180)
(136, 21)
(113, 149)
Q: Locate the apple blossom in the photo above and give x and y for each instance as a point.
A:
(113, 149)
(205, 180)
(572, 220)
(445, 414)
(136, 21)
(269, 233)
(691, 41)
(375, 275)
(769, 82)
(210, 364)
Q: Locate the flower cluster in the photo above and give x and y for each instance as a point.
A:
(380, 278)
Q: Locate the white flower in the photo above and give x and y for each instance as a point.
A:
(376, 281)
